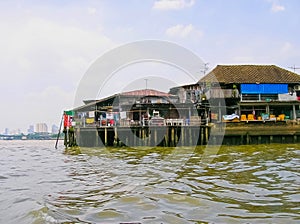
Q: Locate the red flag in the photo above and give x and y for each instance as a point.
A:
(66, 120)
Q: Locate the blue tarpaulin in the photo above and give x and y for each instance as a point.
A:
(264, 88)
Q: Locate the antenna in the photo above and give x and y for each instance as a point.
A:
(205, 68)
(294, 68)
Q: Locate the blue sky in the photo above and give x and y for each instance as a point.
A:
(47, 46)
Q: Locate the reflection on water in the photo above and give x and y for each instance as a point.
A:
(241, 184)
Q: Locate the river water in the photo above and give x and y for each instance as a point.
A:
(231, 184)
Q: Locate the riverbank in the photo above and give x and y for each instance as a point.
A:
(34, 136)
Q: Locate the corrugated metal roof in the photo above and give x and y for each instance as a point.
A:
(138, 93)
(250, 74)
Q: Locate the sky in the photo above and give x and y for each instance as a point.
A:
(46, 47)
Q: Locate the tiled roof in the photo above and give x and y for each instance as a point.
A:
(145, 92)
(138, 93)
(250, 74)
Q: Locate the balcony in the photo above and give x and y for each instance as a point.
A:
(216, 93)
(267, 97)
(259, 97)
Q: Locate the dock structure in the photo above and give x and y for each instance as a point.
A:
(173, 136)
(165, 136)
(231, 105)
(261, 133)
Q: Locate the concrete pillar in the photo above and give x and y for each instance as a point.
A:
(190, 136)
(155, 137)
(294, 113)
(172, 137)
(220, 111)
(267, 109)
(78, 136)
(105, 136)
(97, 138)
(247, 139)
(182, 135)
(116, 135)
(271, 139)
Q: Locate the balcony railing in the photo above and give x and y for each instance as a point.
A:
(259, 97)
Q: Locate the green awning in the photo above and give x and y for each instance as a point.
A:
(69, 112)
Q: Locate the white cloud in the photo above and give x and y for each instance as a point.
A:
(35, 107)
(276, 6)
(286, 47)
(181, 31)
(260, 51)
(173, 4)
(43, 105)
(92, 11)
(37, 54)
(38, 46)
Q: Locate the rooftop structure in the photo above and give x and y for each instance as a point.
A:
(129, 108)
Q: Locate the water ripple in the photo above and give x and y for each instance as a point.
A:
(257, 184)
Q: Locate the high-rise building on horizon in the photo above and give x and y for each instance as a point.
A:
(41, 128)
(54, 129)
(30, 130)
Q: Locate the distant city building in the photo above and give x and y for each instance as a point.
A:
(54, 129)
(30, 130)
(6, 132)
(15, 132)
(41, 128)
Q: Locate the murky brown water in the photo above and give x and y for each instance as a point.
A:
(239, 184)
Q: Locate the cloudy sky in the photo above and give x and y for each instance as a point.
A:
(47, 46)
